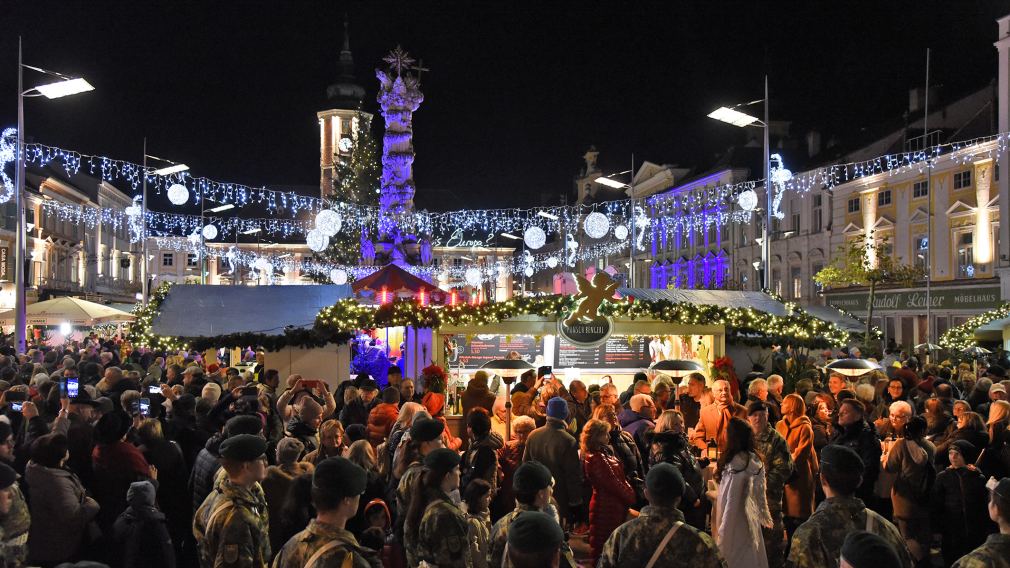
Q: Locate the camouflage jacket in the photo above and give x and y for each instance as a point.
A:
(14, 531)
(230, 527)
(995, 553)
(443, 537)
(304, 545)
(409, 482)
(500, 535)
(774, 452)
(818, 541)
(634, 543)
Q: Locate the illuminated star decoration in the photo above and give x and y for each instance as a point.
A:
(399, 60)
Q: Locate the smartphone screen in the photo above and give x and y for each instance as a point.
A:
(154, 389)
(16, 406)
(63, 388)
(145, 407)
(545, 371)
(73, 387)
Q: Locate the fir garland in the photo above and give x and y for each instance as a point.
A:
(961, 337)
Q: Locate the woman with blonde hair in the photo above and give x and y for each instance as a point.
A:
(995, 459)
(668, 443)
(612, 494)
(386, 451)
(795, 427)
(331, 442)
(362, 454)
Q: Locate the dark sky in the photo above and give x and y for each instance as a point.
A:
(516, 93)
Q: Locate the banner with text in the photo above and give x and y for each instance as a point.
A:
(980, 298)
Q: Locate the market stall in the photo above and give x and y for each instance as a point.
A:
(67, 317)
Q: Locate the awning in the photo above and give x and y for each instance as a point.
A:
(192, 310)
(65, 309)
(722, 298)
(832, 315)
(393, 280)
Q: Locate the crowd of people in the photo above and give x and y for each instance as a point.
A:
(137, 458)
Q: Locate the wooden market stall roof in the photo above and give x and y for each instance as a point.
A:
(721, 298)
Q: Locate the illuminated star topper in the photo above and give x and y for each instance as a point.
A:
(398, 59)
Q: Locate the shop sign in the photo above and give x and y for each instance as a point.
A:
(584, 326)
(3, 263)
(975, 298)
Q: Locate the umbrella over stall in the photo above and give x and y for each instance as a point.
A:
(73, 311)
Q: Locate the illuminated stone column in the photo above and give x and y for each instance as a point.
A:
(399, 96)
(982, 237)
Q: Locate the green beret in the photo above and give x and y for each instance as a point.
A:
(664, 481)
(243, 424)
(530, 477)
(862, 549)
(340, 476)
(426, 430)
(841, 459)
(441, 459)
(243, 447)
(533, 532)
(7, 476)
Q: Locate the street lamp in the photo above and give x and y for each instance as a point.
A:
(607, 181)
(64, 87)
(167, 170)
(730, 115)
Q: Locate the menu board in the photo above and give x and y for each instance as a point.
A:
(617, 353)
(479, 349)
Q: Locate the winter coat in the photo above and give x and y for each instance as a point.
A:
(554, 447)
(959, 510)
(637, 425)
(742, 505)
(862, 438)
(580, 412)
(201, 479)
(357, 412)
(60, 512)
(509, 459)
(627, 451)
(172, 485)
(612, 495)
(481, 462)
(712, 421)
(909, 460)
(674, 449)
(996, 460)
(799, 496)
(275, 489)
(140, 533)
(307, 435)
(477, 394)
(977, 438)
(117, 465)
(380, 422)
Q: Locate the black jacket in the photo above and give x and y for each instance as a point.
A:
(959, 510)
(140, 534)
(862, 438)
(675, 450)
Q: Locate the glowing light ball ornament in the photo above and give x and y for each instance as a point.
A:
(472, 276)
(747, 200)
(263, 265)
(552, 262)
(210, 232)
(338, 276)
(178, 194)
(316, 240)
(528, 272)
(596, 225)
(535, 237)
(328, 222)
(621, 232)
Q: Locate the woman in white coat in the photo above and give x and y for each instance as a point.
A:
(741, 502)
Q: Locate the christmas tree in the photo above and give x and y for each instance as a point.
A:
(357, 182)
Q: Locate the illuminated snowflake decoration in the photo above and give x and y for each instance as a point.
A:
(747, 200)
(210, 232)
(472, 276)
(535, 237)
(328, 222)
(178, 194)
(621, 232)
(8, 153)
(338, 276)
(316, 240)
(596, 225)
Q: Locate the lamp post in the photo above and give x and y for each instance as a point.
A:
(66, 86)
(605, 180)
(732, 116)
(171, 168)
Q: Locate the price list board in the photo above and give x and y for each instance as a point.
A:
(483, 348)
(619, 352)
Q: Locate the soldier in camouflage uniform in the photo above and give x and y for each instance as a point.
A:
(995, 553)
(14, 520)
(635, 542)
(532, 483)
(230, 526)
(427, 435)
(443, 532)
(337, 485)
(818, 541)
(774, 452)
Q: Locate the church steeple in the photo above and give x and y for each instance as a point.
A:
(346, 93)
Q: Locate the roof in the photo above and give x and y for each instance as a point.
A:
(722, 298)
(65, 309)
(192, 310)
(832, 315)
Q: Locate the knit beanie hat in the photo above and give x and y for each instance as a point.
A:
(557, 407)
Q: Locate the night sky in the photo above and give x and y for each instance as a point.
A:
(516, 93)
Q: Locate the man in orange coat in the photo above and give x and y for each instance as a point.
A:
(714, 418)
(382, 417)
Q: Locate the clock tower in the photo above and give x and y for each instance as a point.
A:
(338, 124)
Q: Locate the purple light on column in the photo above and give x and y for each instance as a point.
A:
(399, 96)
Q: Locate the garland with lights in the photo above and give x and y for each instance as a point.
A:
(961, 337)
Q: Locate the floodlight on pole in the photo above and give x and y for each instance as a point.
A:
(602, 180)
(221, 208)
(734, 117)
(510, 236)
(64, 88)
(547, 215)
(172, 169)
(251, 231)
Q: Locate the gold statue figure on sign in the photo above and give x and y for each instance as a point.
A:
(591, 295)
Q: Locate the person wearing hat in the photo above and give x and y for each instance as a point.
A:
(207, 464)
(425, 437)
(439, 527)
(14, 519)
(533, 486)
(231, 526)
(638, 419)
(554, 447)
(643, 541)
(117, 463)
(337, 486)
(863, 549)
(357, 410)
(958, 503)
(818, 541)
(536, 539)
(996, 550)
(383, 416)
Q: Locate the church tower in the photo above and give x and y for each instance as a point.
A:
(338, 124)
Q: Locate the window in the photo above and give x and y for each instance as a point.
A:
(817, 268)
(796, 222)
(962, 180)
(920, 189)
(797, 282)
(884, 198)
(167, 259)
(854, 205)
(191, 260)
(777, 281)
(885, 249)
(815, 216)
(921, 251)
(965, 256)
